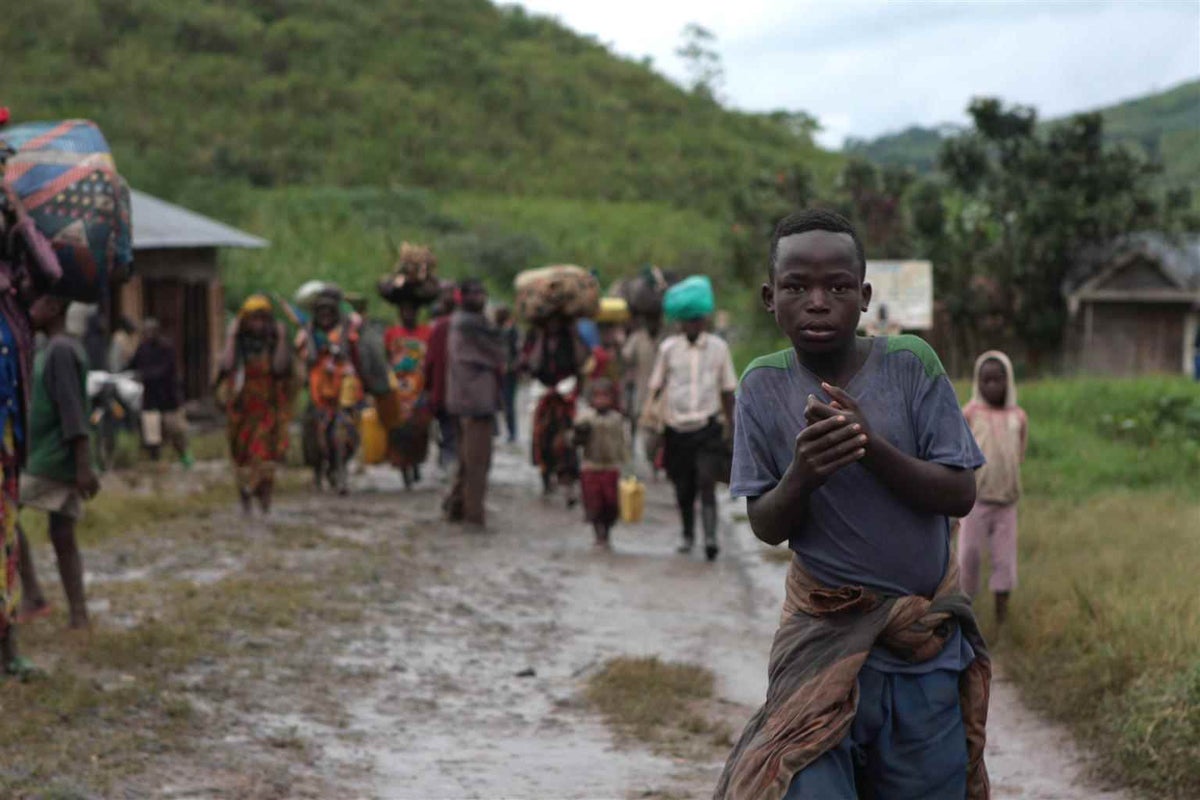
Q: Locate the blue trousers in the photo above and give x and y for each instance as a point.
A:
(907, 742)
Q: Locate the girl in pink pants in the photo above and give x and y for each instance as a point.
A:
(1001, 429)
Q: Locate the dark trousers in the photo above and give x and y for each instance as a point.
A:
(693, 461)
(465, 501)
(510, 405)
(447, 440)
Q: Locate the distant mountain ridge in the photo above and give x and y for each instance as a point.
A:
(1164, 126)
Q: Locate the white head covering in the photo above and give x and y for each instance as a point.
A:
(1010, 397)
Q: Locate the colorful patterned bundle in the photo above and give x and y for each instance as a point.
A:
(65, 174)
(567, 290)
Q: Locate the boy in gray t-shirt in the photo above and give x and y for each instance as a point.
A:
(853, 451)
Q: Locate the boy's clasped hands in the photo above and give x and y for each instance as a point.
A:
(835, 435)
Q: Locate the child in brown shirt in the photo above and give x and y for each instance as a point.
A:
(601, 432)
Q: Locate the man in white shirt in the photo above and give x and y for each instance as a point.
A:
(695, 371)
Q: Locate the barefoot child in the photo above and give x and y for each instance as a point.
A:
(854, 452)
(1001, 428)
(601, 431)
(59, 475)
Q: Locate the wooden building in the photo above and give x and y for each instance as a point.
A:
(176, 281)
(1135, 305)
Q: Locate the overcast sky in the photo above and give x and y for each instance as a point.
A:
(866, 67)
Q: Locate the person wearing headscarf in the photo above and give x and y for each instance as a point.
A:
(1002, 430)
(255, 385)
(329, 346)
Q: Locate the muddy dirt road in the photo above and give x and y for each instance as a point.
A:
(358, 647)
(480, 659)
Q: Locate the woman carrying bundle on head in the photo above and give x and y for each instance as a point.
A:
(255, 383)
(555, 356)
(405, 410)
(552, 299)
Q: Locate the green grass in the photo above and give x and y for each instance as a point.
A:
(658, 702)
(1073, 454)
(344, 235)
(1105, 629)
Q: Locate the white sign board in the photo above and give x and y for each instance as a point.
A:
(905, 289)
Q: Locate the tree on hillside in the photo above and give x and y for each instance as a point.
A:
(756, 208)
(873, 199)
(1019, 204)
(698, 51)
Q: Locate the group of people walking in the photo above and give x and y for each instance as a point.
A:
(851, 449)
(451, 376)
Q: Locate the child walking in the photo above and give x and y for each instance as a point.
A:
(59, 476)
(601, 431)
(853, 450)
(1002, 430)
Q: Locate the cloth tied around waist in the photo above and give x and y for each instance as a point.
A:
(824, 637)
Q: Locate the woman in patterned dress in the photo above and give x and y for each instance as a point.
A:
(256, 383)
(405, 410)
(27, 266)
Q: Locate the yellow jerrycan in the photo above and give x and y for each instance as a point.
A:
(373, 435)
(632, 497)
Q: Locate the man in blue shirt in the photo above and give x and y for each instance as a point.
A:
(853, 451)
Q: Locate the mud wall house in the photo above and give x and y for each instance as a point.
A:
(177, 282)
(1134, 306)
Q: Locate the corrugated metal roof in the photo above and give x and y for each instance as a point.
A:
(158, 224)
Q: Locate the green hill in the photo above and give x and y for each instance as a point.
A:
(1163, 126)
(503, 139)
(440, 94)
(914, 147)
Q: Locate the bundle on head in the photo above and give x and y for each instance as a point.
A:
(562, 290)
(413, 278)
(644, 292)
(65, 176)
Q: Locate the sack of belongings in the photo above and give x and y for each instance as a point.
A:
(413, 278)
(65, 175)
(564, 289)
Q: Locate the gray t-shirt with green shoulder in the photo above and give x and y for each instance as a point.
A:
(856, 530)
